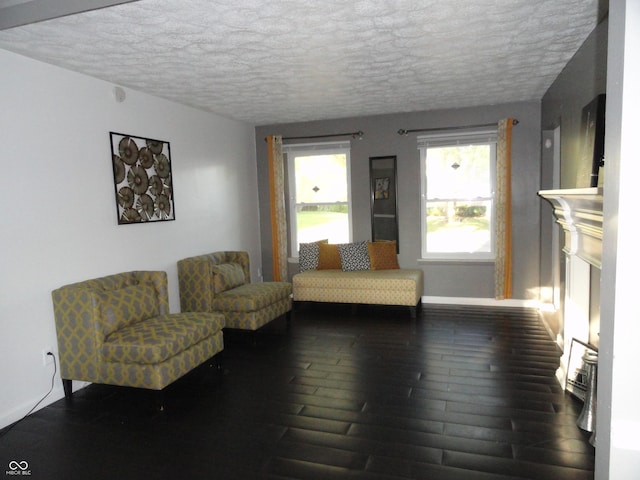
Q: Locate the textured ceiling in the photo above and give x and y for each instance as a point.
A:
(277, 61)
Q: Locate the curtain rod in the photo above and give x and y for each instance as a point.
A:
(359, 134)
(402, 131)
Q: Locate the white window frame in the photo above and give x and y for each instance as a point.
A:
(306, 149)
(443, 139)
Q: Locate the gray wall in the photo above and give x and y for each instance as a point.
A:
(445, 279)
(583, 78)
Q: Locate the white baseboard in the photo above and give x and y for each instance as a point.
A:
(486, 302)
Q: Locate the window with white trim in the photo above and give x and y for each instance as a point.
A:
(319, 192)
(458, 177)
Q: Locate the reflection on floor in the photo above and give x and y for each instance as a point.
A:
(458, 393)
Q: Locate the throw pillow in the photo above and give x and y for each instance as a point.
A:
(354, 256)
(227, 276)
(383, 255)
(128, 305)
(329, 257)
(309, 254)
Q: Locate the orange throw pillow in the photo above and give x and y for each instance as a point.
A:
(329, 257)
(383, 255)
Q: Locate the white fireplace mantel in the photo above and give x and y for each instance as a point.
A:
(579, 212)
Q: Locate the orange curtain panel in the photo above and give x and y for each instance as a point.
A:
(503, 262)
(278, 213)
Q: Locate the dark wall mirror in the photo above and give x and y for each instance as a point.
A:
(384, 207)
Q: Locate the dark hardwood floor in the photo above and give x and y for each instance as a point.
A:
(458, 393)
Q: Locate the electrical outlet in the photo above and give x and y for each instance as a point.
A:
(46, 358)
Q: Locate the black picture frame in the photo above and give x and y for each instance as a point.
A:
(593, 131)
(384, 204)
(142, 177)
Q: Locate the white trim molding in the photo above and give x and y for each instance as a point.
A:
(484, 302)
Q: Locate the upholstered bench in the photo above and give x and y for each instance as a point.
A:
(356, 273)
(221, 282)
(375, 287)
(117, 330)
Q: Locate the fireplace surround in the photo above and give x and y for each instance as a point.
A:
(579, 212)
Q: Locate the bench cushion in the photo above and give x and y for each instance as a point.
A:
(381, 287)
(156, 339)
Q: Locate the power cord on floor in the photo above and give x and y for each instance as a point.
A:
(53, 378)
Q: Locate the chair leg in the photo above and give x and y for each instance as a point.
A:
(216, 361)
(67, 387)
(158, 398)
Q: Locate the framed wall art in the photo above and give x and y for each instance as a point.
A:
(592, 133)
(142, 179)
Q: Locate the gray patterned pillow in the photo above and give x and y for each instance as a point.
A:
(309, 254)
(227, 276)
(354, 256)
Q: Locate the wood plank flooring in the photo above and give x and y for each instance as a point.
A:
(460, 393)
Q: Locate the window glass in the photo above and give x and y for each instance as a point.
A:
(458, 199)
(319, 195)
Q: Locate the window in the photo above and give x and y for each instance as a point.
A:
(458, 172)
(319, 193)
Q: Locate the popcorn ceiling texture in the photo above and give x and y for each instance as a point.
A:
(274, 61)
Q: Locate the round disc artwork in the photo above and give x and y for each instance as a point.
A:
(142, 179)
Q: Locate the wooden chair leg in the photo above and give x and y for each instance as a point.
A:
(288, 316)
(67, 387)
(216, 361)
(158, 397)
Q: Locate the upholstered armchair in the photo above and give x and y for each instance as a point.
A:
(221, 282)
(117, 330)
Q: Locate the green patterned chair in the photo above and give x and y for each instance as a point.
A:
(117, 330)
(221, 282)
